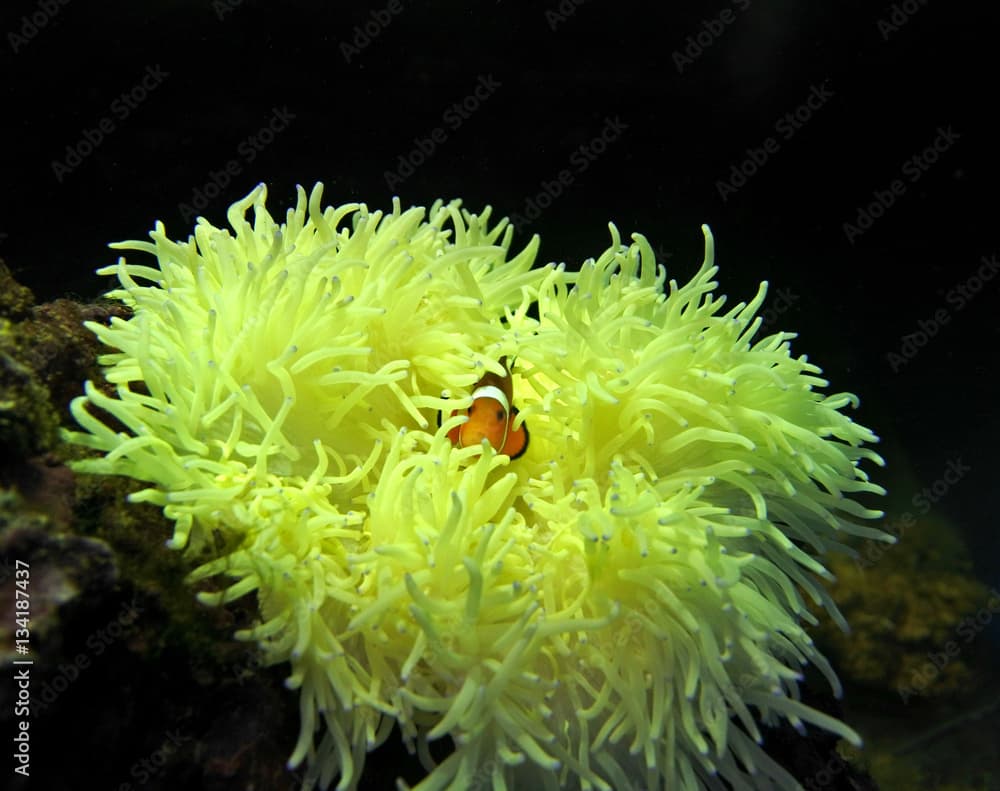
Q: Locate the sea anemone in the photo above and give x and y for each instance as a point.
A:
(620, 607)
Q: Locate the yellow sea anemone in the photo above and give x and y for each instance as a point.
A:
(620, 607)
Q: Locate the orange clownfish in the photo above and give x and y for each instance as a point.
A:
(491, 417)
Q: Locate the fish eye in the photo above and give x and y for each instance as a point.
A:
(501, 415)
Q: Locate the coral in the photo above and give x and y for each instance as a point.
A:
(621, 607)
(44, 352)
(125, 665)
(28, 423)
(15, 299)
(64, 569)
(906, 604)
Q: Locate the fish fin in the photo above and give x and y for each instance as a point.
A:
(515, 441)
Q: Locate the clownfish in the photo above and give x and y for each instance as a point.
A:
(491, 417)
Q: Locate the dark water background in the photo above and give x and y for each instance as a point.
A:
(836, 102)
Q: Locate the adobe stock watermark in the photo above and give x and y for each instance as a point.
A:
(825, 776)
(453, 117)
(248, 149)
(482, 779)
(34, 23)
(97, 643)
(91, 138)
(579, 163)
(783, 302)
(911, 171)
(897, 15)
(970, 627)
(710, 32)
(366, 33)
(785, 128)
(662, 254)
(243, 671)
(561, 13)
(150, 766)
(922, 501)
(956, 299)
(224, 8)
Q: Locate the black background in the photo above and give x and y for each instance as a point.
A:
(561, 76)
